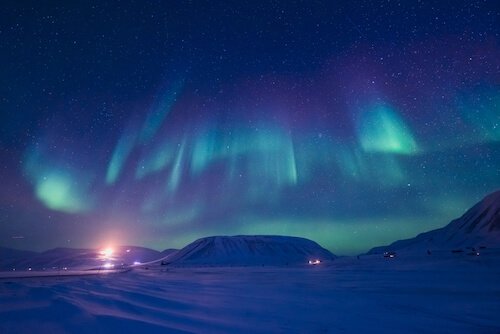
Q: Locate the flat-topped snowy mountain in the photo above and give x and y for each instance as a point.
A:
(478, 227)
(245, 250)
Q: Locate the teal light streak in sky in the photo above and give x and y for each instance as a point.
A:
(131, 139)
(271, 155)
(290, 162)
(157, 116)
(155, 161)
(175, 176)
(265, 153)
(204, 151)
(313, 153)
(381, 129)
(120, 154)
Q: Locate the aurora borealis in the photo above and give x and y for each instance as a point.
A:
(353, 123)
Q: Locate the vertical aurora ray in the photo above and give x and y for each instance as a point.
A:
(351, 163)
(119, 158)
(267, 158)
(158, 114)
(132, 138)
(290, 162)
(175, 175)
(380, 129)
(204, 152)
(267, 153)
(155, 161)
(313, 154)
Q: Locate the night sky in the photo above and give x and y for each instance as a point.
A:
(153, 123)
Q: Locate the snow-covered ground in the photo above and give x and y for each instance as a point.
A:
(449, 294)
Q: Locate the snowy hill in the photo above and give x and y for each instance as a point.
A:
(9, 256)
(168, 251)
(479, 227)
(249, 250)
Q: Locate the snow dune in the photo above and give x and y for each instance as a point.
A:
(348, 296)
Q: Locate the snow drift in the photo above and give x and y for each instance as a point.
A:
(479, 227)
(249, 251)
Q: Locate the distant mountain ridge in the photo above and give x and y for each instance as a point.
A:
(242, 250)
(73, 257)
(249, 250)
(477, 227)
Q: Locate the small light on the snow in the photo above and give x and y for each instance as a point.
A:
(314, 261)
(137, 262)
(390, 254)
(108, 265)
(65, 268)
(29, 269)
(128, 250)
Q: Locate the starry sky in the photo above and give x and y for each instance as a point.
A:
(153, 123)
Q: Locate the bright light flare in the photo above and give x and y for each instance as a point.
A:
(107, 252)
(314, 262)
